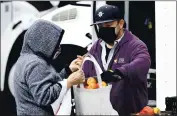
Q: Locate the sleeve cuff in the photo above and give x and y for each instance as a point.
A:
(64, 88)
(119, 72)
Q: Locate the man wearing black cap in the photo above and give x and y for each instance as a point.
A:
(124, 59)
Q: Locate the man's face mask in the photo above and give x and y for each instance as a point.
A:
(58, 52)
(108, 34)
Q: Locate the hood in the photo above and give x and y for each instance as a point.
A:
(42, 39)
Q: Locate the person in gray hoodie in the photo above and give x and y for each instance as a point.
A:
(37, 85)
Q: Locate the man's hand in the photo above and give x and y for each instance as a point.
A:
(76, 78)
(111, 76)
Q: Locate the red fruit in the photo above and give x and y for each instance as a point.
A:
(147, 111)
(97, 85)
(142, 113)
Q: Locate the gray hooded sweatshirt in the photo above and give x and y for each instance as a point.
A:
(37, 84)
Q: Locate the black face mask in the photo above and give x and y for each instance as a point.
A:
(107, 34)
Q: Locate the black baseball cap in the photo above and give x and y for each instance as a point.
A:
(107, 13)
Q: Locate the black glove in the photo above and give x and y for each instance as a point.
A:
(111, 76)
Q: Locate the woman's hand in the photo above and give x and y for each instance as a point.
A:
(76, 64)
(76, 78)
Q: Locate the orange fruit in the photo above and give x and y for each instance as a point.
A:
(89, 87)
(91, 80)
(104, 84)
(92, 86)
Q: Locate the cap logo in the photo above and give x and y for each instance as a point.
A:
(100, 14)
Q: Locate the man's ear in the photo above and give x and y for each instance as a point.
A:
(121, 23)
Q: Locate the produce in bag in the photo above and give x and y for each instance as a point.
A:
(93, 97)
